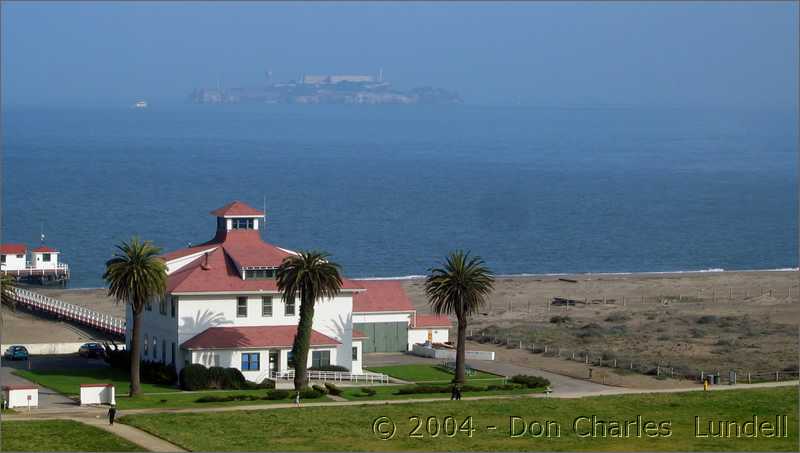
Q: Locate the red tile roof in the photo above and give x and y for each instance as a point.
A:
(381, 295)
(422, 321)
(218, 269)
(252, 337)
(235, 209)
(13, 249)
(45, 249)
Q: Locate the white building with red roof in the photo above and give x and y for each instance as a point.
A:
(43, 266)
(222, 308)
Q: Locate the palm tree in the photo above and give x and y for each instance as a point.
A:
(310, 276)
(136, 276)
(7, 296)
(459, 288)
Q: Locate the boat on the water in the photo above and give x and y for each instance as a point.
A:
(140, 105)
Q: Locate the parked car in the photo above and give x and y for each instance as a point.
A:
(92, 350)
(16, 352)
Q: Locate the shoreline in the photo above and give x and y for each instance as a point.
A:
(556, 275)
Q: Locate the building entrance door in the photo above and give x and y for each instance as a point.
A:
(274, 360)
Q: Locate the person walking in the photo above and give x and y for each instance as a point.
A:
(453, 391)
(458, 392)
(112, 413)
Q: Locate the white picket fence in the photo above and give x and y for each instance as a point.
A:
(334, 376)
(75, 313)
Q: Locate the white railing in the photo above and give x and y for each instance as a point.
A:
(76, 313)
(334, 376)
(31, 269)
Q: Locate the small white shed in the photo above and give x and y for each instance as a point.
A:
(21, 396)
(97, 394)
(45, 257)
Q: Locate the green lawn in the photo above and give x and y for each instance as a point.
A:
(433, 374)
(387, 393)
(351, 428)
(68, 381)
(60, 435)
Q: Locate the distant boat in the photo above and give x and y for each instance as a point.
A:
(140, 105)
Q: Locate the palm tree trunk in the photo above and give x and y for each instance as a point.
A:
(302, 342)
(136, 346)
(461, 352)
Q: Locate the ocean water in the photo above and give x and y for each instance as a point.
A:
(388, 190)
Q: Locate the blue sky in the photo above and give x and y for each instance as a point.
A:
(624, 53)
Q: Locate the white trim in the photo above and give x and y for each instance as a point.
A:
(244, 291)
(384, 311)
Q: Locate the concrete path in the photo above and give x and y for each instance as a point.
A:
(558, 383)
(48, 399)
(131, 434)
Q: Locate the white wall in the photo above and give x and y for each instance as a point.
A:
(421, 336)
(233, 359)
(39, 263)
(14, 262)
(197, 313)
(161, 327)
(19, 397)
(381, 317)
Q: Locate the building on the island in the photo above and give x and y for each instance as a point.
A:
(42, 267)
(222, 307)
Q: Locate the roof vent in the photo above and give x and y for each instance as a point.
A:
(205, 265)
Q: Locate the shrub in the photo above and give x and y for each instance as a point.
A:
(368, 391)
(194, 377)
(235, 379)
(617, 316)
(530, 381)
(267, 383)
(277, 394)
(333, 389)
(118, 358)
(217, 378)
(330, 368)
(157, 373)
(560, 319)
(320, 389)
(225, 399)
(415, 389)
(707, 319)
(310, 394)
(493, 387)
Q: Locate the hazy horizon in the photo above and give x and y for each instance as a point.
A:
(550, 54)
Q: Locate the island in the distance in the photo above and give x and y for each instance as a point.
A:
(326, 89)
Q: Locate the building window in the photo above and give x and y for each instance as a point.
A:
(173, 302)
(355, 353)
(289, 308)
(146, 344)
(266, 306)
(163, 351)
(20, 256)
(162, 305)
(148, 306)
(320, 358)
(155, 347)
(241, 307)
(290, 359)
(46, 257)
(242, 224)
(2, 258)
(261, 274)
(173, 354)
(251, 361)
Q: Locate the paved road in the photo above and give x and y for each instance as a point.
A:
(48, 399)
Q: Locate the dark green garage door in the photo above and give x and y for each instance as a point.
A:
(384, 336)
